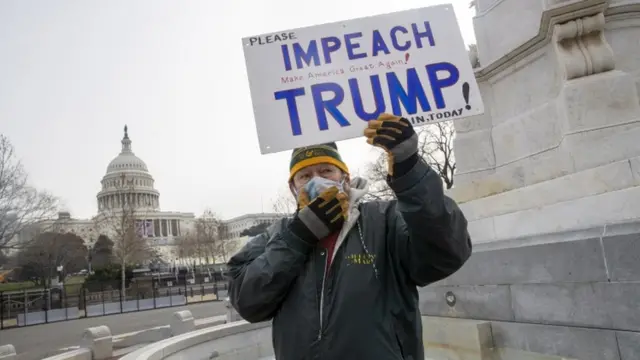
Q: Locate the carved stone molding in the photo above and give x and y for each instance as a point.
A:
(581, 47)
(473, 56)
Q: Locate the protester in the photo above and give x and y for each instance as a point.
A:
(339, 278)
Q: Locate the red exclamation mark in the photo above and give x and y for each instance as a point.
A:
(406, 58)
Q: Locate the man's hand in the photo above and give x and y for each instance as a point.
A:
(303, 199)
(395, 135)
(322, 217)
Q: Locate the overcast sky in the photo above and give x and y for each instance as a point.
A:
(74, 72)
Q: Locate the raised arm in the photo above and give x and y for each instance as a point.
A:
(431, 238)
(432, 241)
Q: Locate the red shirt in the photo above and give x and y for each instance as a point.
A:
(329, 243)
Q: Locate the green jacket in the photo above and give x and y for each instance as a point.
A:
(366, 306)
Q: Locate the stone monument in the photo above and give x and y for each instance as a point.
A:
(549, 178)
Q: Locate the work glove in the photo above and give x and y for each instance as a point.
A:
(323, 216)
(303, 199)
(395, 135)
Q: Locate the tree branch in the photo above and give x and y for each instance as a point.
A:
(21, 206)
(435, 147)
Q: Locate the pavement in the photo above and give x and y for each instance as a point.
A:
(40, 341)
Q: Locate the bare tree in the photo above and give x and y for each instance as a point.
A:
(52, 252)
(285, 203)
(206, 243)
(208, 229)
(187, 247)
(21, 206)
(377, 175)
(436, 148)
(124, 224)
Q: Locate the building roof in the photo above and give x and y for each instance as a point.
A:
(126, 160)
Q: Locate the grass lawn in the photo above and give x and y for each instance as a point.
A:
(74, 280)
(16, 286)
(72, 283)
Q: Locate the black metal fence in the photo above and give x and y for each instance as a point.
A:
(40, 306)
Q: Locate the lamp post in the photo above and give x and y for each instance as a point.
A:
(90, 256)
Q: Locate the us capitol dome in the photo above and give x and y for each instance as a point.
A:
(128, 181)
(128, 184)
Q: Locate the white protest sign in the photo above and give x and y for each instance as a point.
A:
(323, 83)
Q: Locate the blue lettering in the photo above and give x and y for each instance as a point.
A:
(285, 57)
(409, 99)
(438, 84)
(330, 105)
(307, 56)
(426, 34)
(329, 44)
(378, 44)
(294, 117)
(358, 104)
(394, 38)
(351, 46)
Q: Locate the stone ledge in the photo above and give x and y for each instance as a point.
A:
(628, 344)
(512, 354)
(610, 177)
(601, 305)
(210, 321)
(456, 338)
(79, 354)
(563, 341)
(7, 352)
(182, 322)
(178, 343)
(100, 342)
(158, 333)
(141, 337)
(599, 254)
(598, 210)
(462, 339)
(606, 305)
(631, 227)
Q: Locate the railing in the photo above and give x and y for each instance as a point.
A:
(40, 306)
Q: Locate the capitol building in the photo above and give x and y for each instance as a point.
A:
(128, 184)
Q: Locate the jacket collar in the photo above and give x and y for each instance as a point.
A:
(356, 192)
(358, 189)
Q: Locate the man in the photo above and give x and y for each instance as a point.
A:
(339, 279)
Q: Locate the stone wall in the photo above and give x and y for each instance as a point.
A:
(557, 147)
(549, 179)
(572, 294)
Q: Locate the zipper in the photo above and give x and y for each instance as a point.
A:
(346, 228)
(324, 277)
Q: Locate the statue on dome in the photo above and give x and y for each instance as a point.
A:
(126, 135)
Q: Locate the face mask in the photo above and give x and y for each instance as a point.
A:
(318, 184)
